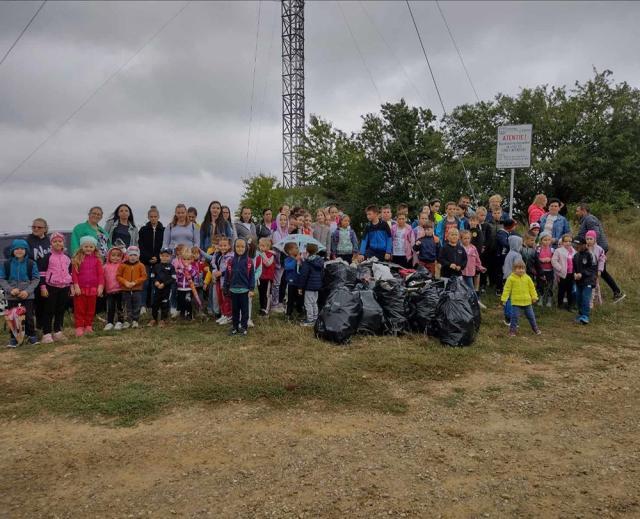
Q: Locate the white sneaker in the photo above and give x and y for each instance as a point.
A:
(134, 324)
(125, 325)
(174, 313)
(250, 323)
(278, 309)
(224, 320)
(143, 310)
(118, 326)
(108, 327)
(219, 319)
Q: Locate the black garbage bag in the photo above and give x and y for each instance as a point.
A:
(339, 318)
(364, 272)
(419, 278)
(372, 322)
(422, 306)
(455, 315)
(338, 274)
(391, 295)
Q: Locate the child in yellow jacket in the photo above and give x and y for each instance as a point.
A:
(520, 292)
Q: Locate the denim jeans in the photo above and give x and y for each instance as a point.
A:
(583, 300)
(529, 314)
(132, 301)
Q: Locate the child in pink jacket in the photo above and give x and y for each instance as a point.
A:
(55, 290)
(474, 266)
(88, 284)
(113, 290)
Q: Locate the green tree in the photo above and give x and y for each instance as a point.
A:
(261, 192)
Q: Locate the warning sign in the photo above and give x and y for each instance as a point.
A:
(514, 146)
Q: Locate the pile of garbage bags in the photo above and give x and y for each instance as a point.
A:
(378, 298)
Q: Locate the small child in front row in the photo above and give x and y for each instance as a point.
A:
(219, 271)
(474, 265)
(310, 283)
(452, 257)
(292, 277)
(57, 280)
(113, 290)
(88, 284)
(544, 253)
(163, 277)
(427, 245)
(131, 275)
(266, 267)
(239, 285)
(585, 273)
(521, 292)
(185, 272)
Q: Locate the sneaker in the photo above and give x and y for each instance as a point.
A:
(12, 343)
(482, 305)
(243, 332)
(134, 324)
(549, 304)
(278, 309)
(537, 331)
(151, 323)
(506, 321)
(219, 319)
(233, 331)
(618, 297)
(59, 336)
(47, 338)
(250, 323)
(88, 330)
(174, 313)
(108, 327)
(224, 320)
(126, 325)
(307, 324)
(32, 341)
(79, 332)
(118, 326)
(143, 310)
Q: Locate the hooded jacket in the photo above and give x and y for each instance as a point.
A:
(335, 240)
(586, 264)
(428, 249)
(474, 265)
(590, 223)
(150, 242)
(520, 289)
(376, 238)
(128, 272)
(515, 248)
(58, 273)
(561, 256)
(311, 273)
(21, 274)
(240, 273)
(111, 283)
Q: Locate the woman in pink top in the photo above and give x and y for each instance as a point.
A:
(537, 208)
(88, 283)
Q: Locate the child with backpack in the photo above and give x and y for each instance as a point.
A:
(55, 290)
(19, 278)
(239, 286)
(88, 284)
(310, 282)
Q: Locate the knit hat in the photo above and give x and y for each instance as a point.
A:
(19, 244)
(133, 251)
(88, 239)
(544, 234)
(591, 234)
(57, 236)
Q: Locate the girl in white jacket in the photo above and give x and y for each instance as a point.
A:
(562, 261)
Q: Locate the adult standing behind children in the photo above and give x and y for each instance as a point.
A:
(91, 228)
(537, 209)
(246, 229)
(39, 250)
(554, 223)
(150, 242)
(214, 224)
(180, 231)
(121, 227)
(589, 222)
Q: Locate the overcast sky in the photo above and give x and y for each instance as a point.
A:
(173, 126)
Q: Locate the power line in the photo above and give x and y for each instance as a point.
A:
(453, 40)
(375, 86)
(253, 87)
(444, 111)
(93, 94)
(22, 32)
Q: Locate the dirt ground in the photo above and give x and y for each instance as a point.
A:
(558, 439)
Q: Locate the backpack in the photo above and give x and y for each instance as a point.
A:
(30, 263)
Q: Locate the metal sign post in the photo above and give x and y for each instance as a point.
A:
(513, 151)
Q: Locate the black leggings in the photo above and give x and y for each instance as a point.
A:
(184, 304)
(295, 301)
(565, 287)
(114, 307)
(55, 307)
(264, 291)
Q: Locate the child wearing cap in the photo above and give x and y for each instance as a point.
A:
(534, 229)
(88, 284)
(585, 274)
(19, 277)
(131, 276)
(163, 277)
(55, 290)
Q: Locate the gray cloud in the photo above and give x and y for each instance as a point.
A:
(173, 126)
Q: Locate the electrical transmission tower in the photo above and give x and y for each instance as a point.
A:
(292, 90)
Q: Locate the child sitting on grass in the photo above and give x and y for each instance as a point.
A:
(310, 283)
(521, 292)
(239, 285)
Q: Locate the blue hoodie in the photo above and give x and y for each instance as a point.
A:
(376, 238)
(240, 274)
(14, 273)
(291, 274)
(311, 273)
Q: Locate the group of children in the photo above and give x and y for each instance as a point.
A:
(221, 281)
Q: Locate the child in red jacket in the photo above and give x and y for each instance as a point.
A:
(88, 283)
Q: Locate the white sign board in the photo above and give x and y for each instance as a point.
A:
(514, 146)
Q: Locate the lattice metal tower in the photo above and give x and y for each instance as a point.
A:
(292, 90)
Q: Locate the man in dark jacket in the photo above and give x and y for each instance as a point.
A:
(39, 250)
(585, 273)
(150, 242)
(311, 283)
(588, 222)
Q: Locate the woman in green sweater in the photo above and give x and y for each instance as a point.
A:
(91, 228)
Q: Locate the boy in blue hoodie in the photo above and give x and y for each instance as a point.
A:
(376, 240)
(311, 282)
(19, 277)
(292, 276)
(240, 282)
